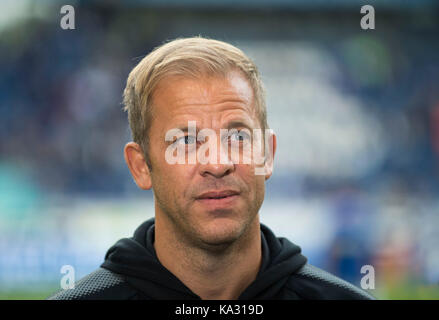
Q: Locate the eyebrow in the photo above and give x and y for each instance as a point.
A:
(230, 125)
(238, 124)
(185, 128)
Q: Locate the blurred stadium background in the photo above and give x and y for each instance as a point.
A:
(356, 112)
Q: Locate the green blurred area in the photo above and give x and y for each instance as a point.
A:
(395, 293)
(23, 294)
(413, 293)
(20, 295)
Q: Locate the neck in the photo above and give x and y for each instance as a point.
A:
(211, 274)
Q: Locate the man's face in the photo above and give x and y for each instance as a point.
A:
(213, 203)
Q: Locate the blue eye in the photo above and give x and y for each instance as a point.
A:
(186, 140)
(239, 136)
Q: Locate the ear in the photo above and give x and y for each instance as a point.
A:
(269, 157)
(137, 165)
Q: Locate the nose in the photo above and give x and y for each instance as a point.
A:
(217, 170)
(219, 165)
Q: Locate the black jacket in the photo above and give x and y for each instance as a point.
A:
(131, 270)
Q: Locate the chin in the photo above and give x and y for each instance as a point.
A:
(221, 232)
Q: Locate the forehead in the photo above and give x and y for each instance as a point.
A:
(204, 96)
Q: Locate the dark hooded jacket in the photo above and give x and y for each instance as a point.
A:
(131, 270)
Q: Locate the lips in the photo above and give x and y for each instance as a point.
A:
(217, 195)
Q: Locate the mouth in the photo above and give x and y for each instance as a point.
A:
(217, 195)
(218, 198)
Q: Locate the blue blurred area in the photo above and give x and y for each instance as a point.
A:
(356, 113)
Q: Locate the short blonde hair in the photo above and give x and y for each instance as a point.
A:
(191, 57)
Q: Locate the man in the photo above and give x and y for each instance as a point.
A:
(195, 108)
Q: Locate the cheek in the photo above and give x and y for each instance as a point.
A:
(172, 180)
(259, 185)
(162, 172)
(255, 184)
